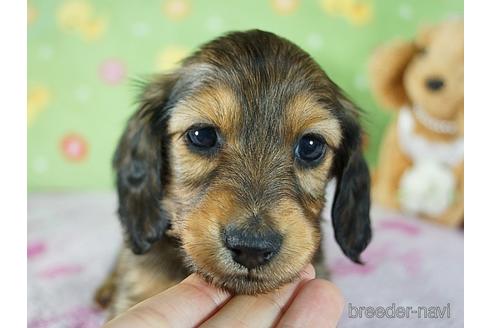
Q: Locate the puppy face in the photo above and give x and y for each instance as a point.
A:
(232, 154)
(245, 167)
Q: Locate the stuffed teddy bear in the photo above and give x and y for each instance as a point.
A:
(420, 168)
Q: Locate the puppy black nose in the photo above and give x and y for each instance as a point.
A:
(252, 249)
(434, 84)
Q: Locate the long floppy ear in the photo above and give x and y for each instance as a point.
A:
(386, 69)
(352, 202)
(140, 164)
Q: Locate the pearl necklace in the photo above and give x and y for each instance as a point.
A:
(434, 124)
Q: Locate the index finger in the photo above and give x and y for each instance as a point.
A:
(184, 305)
(319, 303)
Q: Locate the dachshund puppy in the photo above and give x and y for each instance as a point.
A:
(222, 171)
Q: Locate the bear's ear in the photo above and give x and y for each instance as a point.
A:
(140, 162)
(386, 70)
(425, 35)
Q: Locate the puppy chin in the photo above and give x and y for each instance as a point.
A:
(247, 282)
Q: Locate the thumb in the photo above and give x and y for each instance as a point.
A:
(184, 305)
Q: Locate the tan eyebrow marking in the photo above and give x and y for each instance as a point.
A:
(215, 106)
(305, 115)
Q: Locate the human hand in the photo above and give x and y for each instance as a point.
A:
(308, 302)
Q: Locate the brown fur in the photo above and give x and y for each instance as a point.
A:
(398, 72)
(262, 94)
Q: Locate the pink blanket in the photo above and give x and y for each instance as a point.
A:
(73, 238)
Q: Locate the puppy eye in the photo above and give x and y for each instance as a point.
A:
(202, 138)
(310, 149)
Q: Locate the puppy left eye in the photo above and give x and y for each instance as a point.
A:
(310, 149)
(202, 138)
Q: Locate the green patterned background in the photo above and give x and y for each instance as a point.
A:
(83, 55)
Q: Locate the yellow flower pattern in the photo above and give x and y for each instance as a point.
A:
(31, 13)
(85, 55)
(285, 7)
(176, 9)
(79, 16)
(38, 98)
(357, 12)
(170, 57)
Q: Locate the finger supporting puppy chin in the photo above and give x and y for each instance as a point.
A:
(260, 310)
(184, 305)
(318, 303)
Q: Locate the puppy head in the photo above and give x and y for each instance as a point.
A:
(427, 72)
(434, 78)
(234, 151)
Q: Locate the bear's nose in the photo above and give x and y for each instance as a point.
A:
(252, 249)
(434, 84)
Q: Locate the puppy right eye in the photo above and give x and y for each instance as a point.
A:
(202, 138)
(310, 150)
